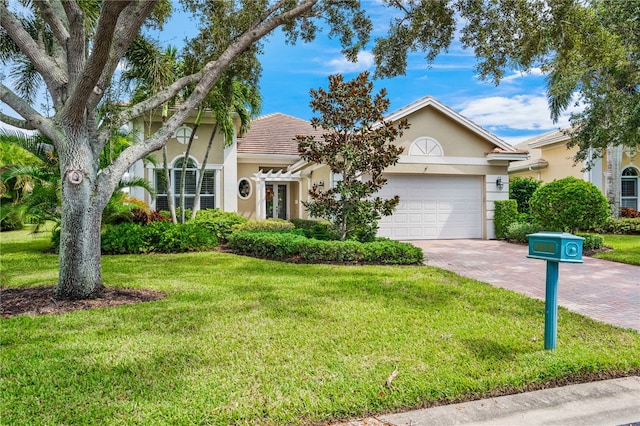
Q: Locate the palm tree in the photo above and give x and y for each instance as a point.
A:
(149, 70)
(35, 174)
(242, 101)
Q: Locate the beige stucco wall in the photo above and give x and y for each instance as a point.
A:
(455, 139)
(561, 164)
(247, 207)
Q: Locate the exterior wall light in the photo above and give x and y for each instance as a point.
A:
(499, 184)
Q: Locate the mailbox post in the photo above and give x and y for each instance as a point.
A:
(554, 247)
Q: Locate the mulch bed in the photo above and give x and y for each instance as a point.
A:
(40, 300)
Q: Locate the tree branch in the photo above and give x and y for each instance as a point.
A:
(32, 119)
(205, 79)
(52, 15)
(128, 26)
(92, 70)
(15, 122)
(51, 72)
(76, 44)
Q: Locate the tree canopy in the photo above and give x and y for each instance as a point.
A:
(590, 51)
(75, 48)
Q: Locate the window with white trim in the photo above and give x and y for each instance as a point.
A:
(192, 174)
(426, 147)
(182, 134)
(629, 192)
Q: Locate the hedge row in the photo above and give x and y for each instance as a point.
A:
(162, 237)
(294, 245)
(623, 225)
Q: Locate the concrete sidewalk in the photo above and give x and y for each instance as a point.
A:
(613, 402)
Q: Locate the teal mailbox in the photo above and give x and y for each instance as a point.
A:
(554, 247)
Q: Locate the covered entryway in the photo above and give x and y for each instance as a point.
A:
(433, 207)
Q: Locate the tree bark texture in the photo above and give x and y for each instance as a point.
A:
(80, 275)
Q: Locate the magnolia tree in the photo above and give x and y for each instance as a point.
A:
(358, 146)
(75, 48)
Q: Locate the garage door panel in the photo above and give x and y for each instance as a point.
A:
(433, 207)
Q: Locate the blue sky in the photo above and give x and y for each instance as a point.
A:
(514, 110)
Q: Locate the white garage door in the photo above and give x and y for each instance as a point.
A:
(433, 207)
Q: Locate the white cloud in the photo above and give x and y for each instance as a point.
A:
(344, 66)
(521, 112)
(537, 72)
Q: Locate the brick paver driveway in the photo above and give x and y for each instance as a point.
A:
(603, 290)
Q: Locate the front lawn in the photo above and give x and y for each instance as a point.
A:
(626, 248)
(246, 341)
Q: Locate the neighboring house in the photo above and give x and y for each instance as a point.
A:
(449, 175)
(550, 159)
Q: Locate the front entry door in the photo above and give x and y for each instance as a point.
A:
(276, 200)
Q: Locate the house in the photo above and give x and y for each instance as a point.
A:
(550, 159)
(449, 175)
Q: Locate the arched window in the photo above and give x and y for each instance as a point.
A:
(192, 174)
(630, 183)
(426, 147)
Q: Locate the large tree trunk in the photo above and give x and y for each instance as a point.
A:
(80, 275)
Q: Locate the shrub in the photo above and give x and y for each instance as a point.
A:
(183, 237)
(521, 189)
(303, 223)
(591, 241)
(264, 225)
(217, 222)
(288, 244)
(124, 238)
(11, 222)
(506, 213)
(392, 252)
(317, 229)
(318, 251)
(265, 244)
(144, 217)
(629, 212)
(162, 236)
(518, 231)
(569, 204)
(629, 226)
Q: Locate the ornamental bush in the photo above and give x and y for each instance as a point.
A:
(521, 189)
(592, 241)
(506, 213)
(318, 229)
(265, 244)
(217, 222)
(161, 237)
(291, 244)
(392, 252)
(518, 231)
(569, 204)
(264, 225)
(628, 226)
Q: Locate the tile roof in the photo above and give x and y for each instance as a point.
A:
(275, 134)
(559, 135)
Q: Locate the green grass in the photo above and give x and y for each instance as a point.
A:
(247, 341)
(626, 249)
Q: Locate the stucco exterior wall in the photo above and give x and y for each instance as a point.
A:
(455, 139)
